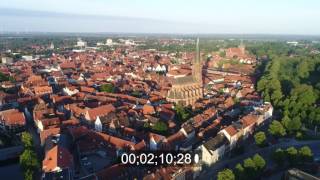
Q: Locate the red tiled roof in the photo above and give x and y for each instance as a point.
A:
(42, 90)
(55, 158)
(78, 132)
(87, 89)
(100, 111)
(117, 142)
(231, 130)
(14, 117)
(148, 109)
(249, 120)
(48, 132)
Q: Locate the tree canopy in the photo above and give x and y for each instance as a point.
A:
(226, 174)
(276, 129)
(107, 88)
(291, 84)
(26, 139)
(28, 159)
(160, 127)
(260, 138)
(182, 113)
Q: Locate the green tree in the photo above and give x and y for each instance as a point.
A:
(226, 174)
(26, 139)
(279, 156)
(295, 124)
(250, 168)
(286, 121)
(136, 94)
(239, 172)
(305, 154)
(292, 154)
(3, 77)
(160, 127)
(182, 113)
(303, 94)
(28, 160)
(28, 174)
(303, 69)
(260, 138)
(222, 54)
(276, 129)
(291, 125)
(107, 88)
(259, 162)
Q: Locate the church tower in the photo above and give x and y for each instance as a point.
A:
(242, 47)
(187, 90)
(196, 65)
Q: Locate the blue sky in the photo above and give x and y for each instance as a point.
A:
(162, 16)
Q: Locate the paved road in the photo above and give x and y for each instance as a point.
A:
(211, 172)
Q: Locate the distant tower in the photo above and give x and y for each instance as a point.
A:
(196, 65)
(242, 47)
(51, 45)
(187, 90)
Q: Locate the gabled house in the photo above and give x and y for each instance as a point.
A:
(92, 114)
(58, 164)
(12, 121)
(233, 134)
(42, 90)
(213, 149)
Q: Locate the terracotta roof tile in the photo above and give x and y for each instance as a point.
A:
(57, 158)
(13, 117)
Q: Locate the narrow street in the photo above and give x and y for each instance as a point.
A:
(35, 136)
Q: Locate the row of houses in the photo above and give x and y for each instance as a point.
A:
(227, 139)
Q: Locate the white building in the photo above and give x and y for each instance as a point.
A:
(51, 46)
(98, 124)
(68, 92)
(81, 43)
(214, 149)
(109, 42)
(6, 60)
(233, 134)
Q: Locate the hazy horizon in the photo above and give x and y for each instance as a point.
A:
(295, 17)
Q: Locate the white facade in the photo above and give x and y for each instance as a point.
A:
(81, 43)
(209, 157)
(232, 139)
(109, 42)
(153, 144)
(68, 92)
(98, 124)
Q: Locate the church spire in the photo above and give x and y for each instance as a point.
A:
(198, 52)
(197, 67)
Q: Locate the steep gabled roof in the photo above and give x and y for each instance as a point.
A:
(57, 158)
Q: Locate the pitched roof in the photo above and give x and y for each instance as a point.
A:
(57, 158)
(100, 111)
(148, 109)
(117, 142)
(231, 130)
(42, 89)
(215, 142)
(248, 120)
(13, 117)
(48, 132)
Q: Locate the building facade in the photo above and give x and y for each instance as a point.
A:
(188, 89)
